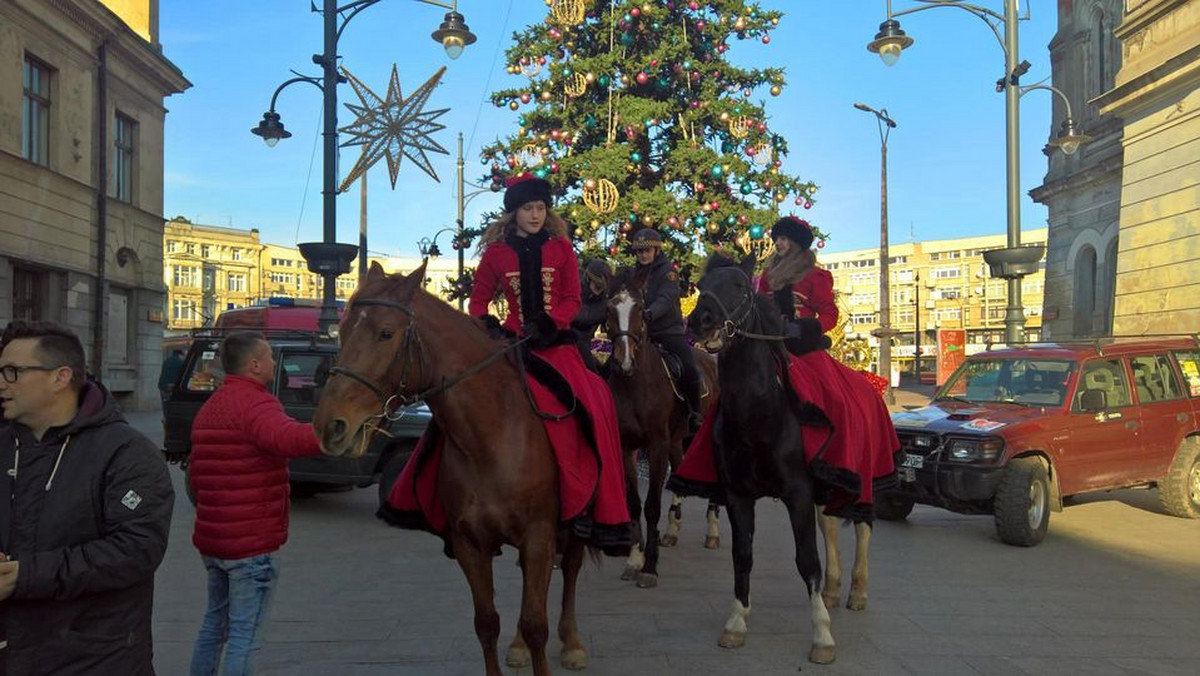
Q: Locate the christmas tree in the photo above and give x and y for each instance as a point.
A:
(636, 116)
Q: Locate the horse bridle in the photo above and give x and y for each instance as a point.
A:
(732, 327)
(410, 347)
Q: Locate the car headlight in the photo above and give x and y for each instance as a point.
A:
(975, 450)
(333, 331)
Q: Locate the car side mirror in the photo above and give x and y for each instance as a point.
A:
(1093, 401)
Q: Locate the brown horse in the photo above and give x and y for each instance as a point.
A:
(498, 479)
(651, 418)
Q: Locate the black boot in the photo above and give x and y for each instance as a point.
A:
(691, 397)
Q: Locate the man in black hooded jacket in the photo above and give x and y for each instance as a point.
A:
(88, 518)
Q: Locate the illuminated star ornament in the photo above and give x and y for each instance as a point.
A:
(393, 127)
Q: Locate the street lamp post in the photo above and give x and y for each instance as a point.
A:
(1015, 261)
(327, 257)
(884, 332)
(462, 198)
(917, 329)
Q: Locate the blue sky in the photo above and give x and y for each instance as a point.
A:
(946, 158)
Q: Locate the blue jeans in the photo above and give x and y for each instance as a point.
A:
(238, 594)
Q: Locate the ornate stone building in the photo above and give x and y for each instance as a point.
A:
(82, 84)
(1157, 97)
(1082, 192)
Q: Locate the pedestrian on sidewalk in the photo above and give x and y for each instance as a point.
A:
(87, 518)
(241, 442)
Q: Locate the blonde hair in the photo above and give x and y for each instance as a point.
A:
(507, 225)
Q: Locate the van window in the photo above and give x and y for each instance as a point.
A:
(1154, 378)
(297, 377)
(203, 373)
(1108, 377)
(1189, 365)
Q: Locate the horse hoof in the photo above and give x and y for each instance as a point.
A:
(629, 573)
(856, 603)
(712, 542)
(822, 654)
(517, 658)
(668, 540)
(832, 601)
(646, 580)
(575, 660)
(730, 639)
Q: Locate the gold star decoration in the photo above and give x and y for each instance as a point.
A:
(393, 128)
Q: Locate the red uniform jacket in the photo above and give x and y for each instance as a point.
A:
(241, 440)
(813, 296)
(498, 267)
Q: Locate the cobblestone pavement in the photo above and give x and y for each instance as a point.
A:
(1114, 589)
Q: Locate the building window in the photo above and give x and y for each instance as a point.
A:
(183, 311)
(29, 288)
(124, 142)
(237, 282)
(172, 246)
(235, 254)
(904, 316)
(947, 273)
(904, 276)
(189, 248)
(185, 275)
(206, 251)
(35, 120)
(950, 294)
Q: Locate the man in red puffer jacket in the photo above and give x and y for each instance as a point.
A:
(241, 442)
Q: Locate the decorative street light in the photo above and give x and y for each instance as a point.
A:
(1015, 261)
(884, 332)
(462, 198)
(327, 257)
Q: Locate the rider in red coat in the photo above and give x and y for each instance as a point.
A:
(802, 291)
(528, 258)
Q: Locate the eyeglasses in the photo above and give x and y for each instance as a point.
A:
(10, 373)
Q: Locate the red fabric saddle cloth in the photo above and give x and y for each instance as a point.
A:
(863, 442)
(586, 445)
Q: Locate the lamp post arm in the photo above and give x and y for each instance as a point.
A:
(988, 16)
(1055, 90)
(314, 81)
(353, 8)
(452, 6)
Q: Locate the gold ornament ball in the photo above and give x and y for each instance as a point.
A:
(624, 79)
(739, 24)
(714, 227)
(595, 224)
(590, 77)
(776, 90)
(590, 184)
(646, 220)
(513, 105)
(724, 117)
(546, 96)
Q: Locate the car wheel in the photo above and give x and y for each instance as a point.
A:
(891, 507)
(391, 471)
(1179, 491)
(1022, 505)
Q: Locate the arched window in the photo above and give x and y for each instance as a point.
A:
(1085, 291)
(1109, 285)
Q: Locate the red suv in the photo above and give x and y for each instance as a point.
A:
(1016, 430)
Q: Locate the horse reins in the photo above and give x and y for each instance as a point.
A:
(733, 327)
(408, 347)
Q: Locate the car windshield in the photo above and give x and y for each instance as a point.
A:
(1031, 382)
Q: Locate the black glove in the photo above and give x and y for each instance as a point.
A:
(493, 328)
(805, 335)
(541, 330)
(647, 316)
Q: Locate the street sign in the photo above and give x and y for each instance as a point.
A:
(951, 352)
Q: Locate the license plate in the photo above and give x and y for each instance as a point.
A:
(914, 461)
(907, 474)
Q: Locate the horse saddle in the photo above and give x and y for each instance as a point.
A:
(674, 368)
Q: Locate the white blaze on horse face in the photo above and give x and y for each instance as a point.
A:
(625, 306)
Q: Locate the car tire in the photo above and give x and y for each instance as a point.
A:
(1179, 490)
(1022, 505)
(391, 471)
(889, 507)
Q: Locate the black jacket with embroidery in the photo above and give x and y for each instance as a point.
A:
(662, 299)
(88, 535)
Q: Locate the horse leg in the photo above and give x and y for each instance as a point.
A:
(476, 564)
(658, 474)
(803, 515)
(573, 656)
(832, 593)
(674, 522)
(712, 539)
(537, 560)
(858, 578)
(633, 500)
(741, 522)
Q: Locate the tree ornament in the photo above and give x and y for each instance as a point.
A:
(776, 90)
(747, 188)
(601, 196)
(575, 85)
(807, 204)
(567, 12)
(717, 171)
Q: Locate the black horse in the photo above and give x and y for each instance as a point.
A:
(757, 437)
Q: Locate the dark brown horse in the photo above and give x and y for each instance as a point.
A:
(498, 479)
(652, 419)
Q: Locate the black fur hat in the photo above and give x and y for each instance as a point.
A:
(524, 189)
(795, 229)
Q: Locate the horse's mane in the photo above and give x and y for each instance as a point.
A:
(718, 260)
